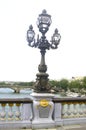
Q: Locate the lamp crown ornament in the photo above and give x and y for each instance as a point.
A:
(43, 23)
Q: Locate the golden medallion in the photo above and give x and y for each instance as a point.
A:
(44, 103)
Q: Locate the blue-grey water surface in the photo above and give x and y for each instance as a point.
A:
(9, 93)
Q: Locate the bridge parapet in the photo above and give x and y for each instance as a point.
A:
(70, 110)
(18, 112)
(15, 113)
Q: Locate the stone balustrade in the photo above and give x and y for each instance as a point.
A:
(70, 111)
(15, 113)
(74, 110)
(10, 111)
(19, 113)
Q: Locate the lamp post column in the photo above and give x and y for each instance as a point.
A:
(43, 23)
(42, 85)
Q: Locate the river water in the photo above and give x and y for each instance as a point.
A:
(9, 93)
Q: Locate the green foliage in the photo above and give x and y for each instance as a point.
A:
(84, 82)
(2, 83)
(63, 84)
(17, 83)
(59, 85)
(31, 83)
(75, 85)
(25, 83)
(53, 83)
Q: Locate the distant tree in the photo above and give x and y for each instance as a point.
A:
(53, 83)
(24, 83)
(2, 83)
(31, 83)
(59, 85)
(75, 85)
(84, 82)
(63, 84)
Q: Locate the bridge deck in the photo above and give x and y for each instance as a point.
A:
(70, 127)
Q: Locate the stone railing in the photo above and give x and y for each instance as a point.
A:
(69, 111)
(19, 113)
(15, 113)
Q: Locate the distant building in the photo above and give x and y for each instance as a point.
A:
(77, 78)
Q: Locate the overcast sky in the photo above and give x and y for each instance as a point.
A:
(19, 62)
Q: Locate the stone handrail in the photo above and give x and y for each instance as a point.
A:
(15, 100)
(68, 99)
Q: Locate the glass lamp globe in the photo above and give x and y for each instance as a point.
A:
(30, 34)
(43, 22)
(56, 37)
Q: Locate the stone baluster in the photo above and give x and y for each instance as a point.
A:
(75, 109)
(75, 112)
(17, 112)
(70, 110)
(64, 110)
(80, 109)
(10, 112)
(3, 113)
(84, 109)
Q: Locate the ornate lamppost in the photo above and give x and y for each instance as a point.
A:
(43, 22)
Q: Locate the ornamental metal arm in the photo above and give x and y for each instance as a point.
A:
(43, 42)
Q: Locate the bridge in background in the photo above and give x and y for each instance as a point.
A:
(16, 88)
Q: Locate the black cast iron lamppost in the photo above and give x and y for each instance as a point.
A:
(43, 23)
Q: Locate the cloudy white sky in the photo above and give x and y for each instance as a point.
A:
(19, 62)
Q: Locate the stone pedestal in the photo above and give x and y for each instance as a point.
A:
(42, 110)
